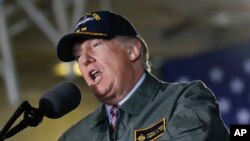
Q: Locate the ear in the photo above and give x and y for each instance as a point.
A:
(134, 50)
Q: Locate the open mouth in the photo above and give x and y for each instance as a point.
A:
(95, 75)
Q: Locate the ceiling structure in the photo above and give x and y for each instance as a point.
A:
(165, 24)
(172, 29)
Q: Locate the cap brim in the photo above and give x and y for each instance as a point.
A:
(66, 43)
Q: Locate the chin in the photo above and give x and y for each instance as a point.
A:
(99, 93)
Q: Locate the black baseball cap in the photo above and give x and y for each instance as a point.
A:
(99, 24)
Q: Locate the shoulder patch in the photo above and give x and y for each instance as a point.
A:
(151, 133)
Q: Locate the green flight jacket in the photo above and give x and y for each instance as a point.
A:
(157, 111)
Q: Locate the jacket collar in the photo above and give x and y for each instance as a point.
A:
(145, 93)
(136, 103)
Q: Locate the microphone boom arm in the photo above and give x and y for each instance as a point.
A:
(56, 102)
(32, 117)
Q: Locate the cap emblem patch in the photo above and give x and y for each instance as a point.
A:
(88, 17)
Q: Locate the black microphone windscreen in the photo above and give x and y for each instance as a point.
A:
(60, 99)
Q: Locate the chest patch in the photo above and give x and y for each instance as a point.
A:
(151, 133)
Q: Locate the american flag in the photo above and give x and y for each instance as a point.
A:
(226, 72)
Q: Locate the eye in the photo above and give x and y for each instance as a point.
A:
(96, 43)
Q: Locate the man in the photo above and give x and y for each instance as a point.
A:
(113, 60)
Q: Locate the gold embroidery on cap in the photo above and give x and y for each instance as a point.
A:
(92, 33)
(84, 29)
(151, 133)
(81, 30)
(96, 16)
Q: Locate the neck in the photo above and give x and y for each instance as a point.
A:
(135, 77)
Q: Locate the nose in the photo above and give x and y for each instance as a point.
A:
(86, 58)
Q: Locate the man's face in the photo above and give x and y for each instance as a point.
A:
(106, 65)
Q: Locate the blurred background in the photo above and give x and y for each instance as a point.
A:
(207, 40)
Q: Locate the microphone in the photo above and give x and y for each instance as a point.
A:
(60, 100)
(55, 103)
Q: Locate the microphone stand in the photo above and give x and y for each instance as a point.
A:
(32, 117)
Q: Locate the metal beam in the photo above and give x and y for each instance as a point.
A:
(40, 20)
(8, 69)
(18, 27)
(60, 15)
(79, 7)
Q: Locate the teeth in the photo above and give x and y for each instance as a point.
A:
(93, 72)
(95, 75)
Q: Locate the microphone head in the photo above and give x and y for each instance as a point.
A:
(60, 100)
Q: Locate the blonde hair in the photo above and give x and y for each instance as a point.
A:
(143, 50)
(144, 54)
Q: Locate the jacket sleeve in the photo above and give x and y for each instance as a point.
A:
(196, 116)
